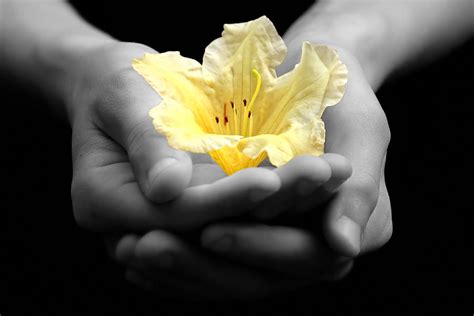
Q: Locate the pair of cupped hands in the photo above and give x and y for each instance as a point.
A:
(181, 226)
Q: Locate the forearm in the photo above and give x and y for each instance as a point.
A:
(40, 43)
(385, 35)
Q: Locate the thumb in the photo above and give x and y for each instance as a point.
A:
(360, 132)
(348, 213)
(161, 171)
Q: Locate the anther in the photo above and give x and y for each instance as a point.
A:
(217, 120)
(245, 102)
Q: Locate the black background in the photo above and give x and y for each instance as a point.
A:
(50, 266)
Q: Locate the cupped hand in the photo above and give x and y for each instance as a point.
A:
(357, 218)
(274, 258)
(125, 176)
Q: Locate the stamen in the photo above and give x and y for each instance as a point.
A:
(232, 104)
(257, 87)
(245, 102)
(217, 120)
(248, 123)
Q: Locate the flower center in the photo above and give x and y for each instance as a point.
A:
(240, 121)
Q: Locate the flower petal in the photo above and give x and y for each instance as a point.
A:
(178, 123)
(179, 78)
(231, 160)
(338, 75)
(229, 60)
(305, 139)
(302, 94)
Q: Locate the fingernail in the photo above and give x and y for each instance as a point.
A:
(259, 195)
(164, 260)
(222, 244)
(158, 168)
(351, 233)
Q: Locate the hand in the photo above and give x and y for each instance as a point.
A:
(279, 258)
(123, 168)
(116, 156)
(358, 217)
(357, 127)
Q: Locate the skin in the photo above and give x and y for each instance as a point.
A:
(323, 250)
(342, 206)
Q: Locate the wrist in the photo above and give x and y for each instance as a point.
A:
(39, 42)
(68, 64)
(98, 71)
(359, 36)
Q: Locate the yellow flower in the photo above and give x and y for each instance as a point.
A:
(234, 107)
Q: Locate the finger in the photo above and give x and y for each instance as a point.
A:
(159, 250)
(166, 285)
(341, 170)
(300, 177)
(121, 248)
(161, 171)
(107, 197)
(206, 173)
(240, 191)
(286, 250)
(147, 276)
(363, 140)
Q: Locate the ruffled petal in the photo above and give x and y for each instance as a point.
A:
(231, 160)
(229, 61)
(337, 78)
(178, 123)
(178, 78)
(302, 94)
(304, 139)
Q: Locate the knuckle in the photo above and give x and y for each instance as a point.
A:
(137, 135)
(121, 80)
(111, 92)
(120, 95)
